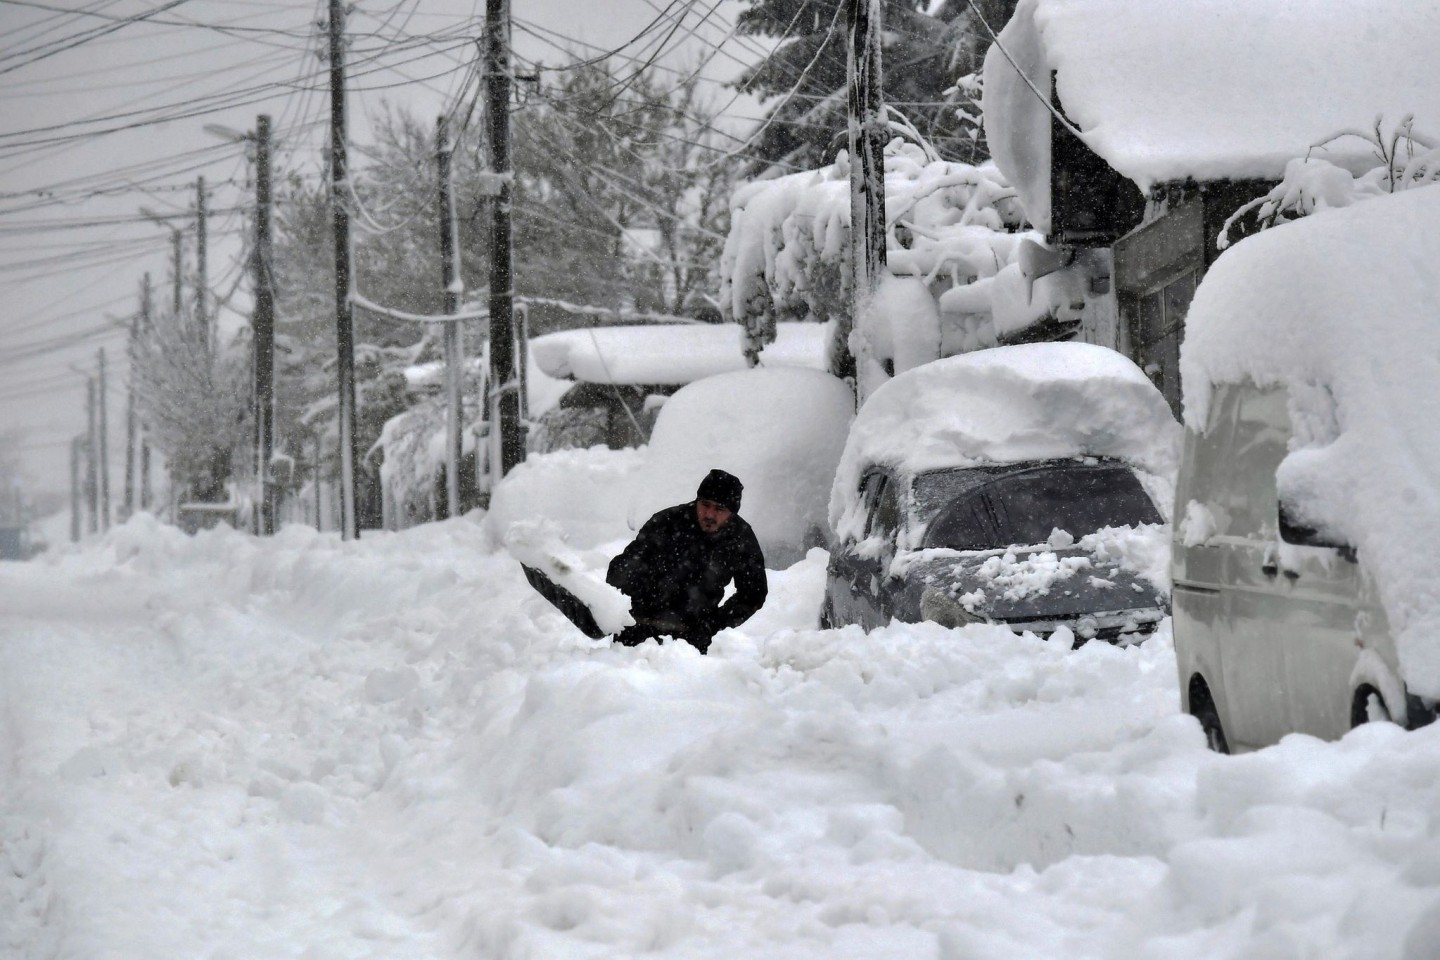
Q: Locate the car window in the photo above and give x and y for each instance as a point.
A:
(885, 515)
(1261, 437)
(1207, 473)
(1025, 506)
(869, 494)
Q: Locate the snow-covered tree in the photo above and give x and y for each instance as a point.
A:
(929, 49)
(954, 233)
(195, 403)
(1404, 158)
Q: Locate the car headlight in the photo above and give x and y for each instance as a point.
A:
(937, 606)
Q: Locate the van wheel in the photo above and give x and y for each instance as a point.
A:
(1202, 708)
(1367, 707)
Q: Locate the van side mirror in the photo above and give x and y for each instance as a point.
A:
(1294, 532)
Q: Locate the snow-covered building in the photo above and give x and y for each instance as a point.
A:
(1133, 130)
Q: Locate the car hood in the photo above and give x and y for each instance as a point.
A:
(1031, 583)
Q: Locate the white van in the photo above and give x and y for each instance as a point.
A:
(1307, 509)
(1276, 630)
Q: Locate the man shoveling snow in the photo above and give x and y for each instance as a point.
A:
(669, 582)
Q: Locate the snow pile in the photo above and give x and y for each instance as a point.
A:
(1143, 548)
(585, 492)
(1026, 402)
(948, 226)
(779, 431)
(1013, 578)
(1341, 308)
(668, 354)
(225, 747)
(1210, 107)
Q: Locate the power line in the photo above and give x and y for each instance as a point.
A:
(75, 40)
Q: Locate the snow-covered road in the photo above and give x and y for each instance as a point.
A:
(219, 747)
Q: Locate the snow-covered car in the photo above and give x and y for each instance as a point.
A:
(1308, 498)
(624, 374)
(1024, 485)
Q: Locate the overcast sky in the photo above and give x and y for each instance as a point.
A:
(74, 243)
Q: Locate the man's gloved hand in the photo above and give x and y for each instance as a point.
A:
(708, 625)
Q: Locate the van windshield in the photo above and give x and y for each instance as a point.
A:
(1024, 505)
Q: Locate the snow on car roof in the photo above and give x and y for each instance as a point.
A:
(670, 353)
(1209, 89)
(1026, 402)
(1342, 307)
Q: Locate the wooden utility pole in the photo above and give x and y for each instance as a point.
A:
(92, 485)
(104, 448)
(453, 287)
(178, 256)
(202, 316)
(344, 316)
(75, 490)
(127, 509)
(868, 131)
(319, 493)
(522, 360)
(146, 321)
(263, 326)
(504, 406)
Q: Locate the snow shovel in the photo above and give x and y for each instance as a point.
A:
(566, 602)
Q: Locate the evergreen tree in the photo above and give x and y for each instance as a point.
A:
(929, 48)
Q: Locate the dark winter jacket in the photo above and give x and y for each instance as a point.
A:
(675, 575)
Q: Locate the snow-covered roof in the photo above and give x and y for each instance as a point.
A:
(1209, 89)
(1347, 300)
(1006, 404)
(669, 353)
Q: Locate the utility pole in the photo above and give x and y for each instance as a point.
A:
(74, 489)
(92, 485)
(127, 509)
(504, 407)
(522, 360)
(263, 326)
(453, 287)
(146, 322)
(867, 182)
(344, 316)
(202, 317)
(319, 493)
(104, 449)
(178, 256)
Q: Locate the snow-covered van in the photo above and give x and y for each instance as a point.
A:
(1026, 485)
(1307, 533)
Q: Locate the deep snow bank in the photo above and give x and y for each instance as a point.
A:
(222, 747)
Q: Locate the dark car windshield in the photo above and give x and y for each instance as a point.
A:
(1022, 506)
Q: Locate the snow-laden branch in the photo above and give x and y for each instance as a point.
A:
(358, 300)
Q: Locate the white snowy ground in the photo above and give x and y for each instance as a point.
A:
(219, 747)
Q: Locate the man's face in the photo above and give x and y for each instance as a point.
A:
(710, 515)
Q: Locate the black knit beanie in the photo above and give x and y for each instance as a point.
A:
(722, 488)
